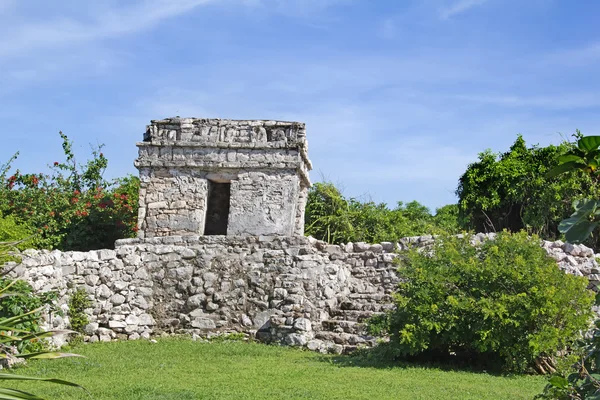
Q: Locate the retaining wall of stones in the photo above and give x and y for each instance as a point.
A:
(293, 290)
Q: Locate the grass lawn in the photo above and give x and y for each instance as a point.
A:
(177, 369)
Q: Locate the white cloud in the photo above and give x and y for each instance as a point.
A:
(459, 7)
(109, 22)
(297, 6)
(562, 101)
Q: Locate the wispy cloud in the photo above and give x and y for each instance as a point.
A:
(302, 7)
(459, 7)
(108, 23)
(563, 101)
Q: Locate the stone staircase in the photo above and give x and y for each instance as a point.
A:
(346, 326)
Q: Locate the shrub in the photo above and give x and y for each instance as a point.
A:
(23, 302)
(333, 218)
(11, 231)
(72, 207)
(78, 302)
(504, 302)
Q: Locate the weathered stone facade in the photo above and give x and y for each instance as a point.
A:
(228, 177)
(292, 290)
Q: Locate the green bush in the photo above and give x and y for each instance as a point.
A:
(78, 302)
(11, 231)
(13, 237)
(22, 301)
(502, 303)
(335, 219)
(73, 207)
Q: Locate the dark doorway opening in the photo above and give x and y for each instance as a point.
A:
(217, 208)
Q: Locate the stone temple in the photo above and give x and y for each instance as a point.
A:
(222, 177)
(221, 248)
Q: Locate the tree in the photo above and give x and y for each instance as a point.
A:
(513, 191)
(335, 219)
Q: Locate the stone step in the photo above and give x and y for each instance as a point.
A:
(378, 297)
(346, 339)
(347, 305)
(353, 315)
(343, 326)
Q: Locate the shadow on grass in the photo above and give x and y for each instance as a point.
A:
(382, 357)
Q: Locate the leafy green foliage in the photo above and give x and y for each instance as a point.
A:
(583, 381)
(20, 336)
(335, 219)
(78, 302)
(73, 207)
(504, 301)
(514, 190)
(584, 157)
(23, 301)
(11, 231)
(446, 218)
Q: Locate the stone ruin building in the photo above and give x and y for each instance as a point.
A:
(222, 177)
(221, 248)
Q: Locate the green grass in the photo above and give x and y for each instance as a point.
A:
(182, 369)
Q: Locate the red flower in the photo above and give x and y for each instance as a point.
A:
(56, 163)
(88, 204)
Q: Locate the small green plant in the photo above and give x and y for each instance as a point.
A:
(23, 301)
(20, 336)
(503, 303)
(78, 302)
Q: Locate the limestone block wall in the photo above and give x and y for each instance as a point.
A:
(264, 203)
(265, 162)
(292, 290)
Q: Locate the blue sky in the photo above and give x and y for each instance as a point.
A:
(398, 96)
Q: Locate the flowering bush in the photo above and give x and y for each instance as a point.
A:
(73, 207)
